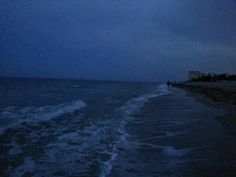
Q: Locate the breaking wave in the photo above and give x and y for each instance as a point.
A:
(13, 116)
(131, 107)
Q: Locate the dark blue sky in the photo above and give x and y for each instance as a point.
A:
(150, 40)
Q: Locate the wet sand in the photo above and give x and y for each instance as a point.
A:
(221, 95)
(221, 92)
(176, 136)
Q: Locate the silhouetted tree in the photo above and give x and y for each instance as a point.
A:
(211, 77)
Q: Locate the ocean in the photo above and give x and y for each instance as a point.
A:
(52, 127)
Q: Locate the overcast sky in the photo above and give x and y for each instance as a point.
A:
(148, 40)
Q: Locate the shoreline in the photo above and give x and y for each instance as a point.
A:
(216, 94)
(176, 135)
(224, 92)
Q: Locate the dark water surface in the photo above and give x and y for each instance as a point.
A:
(109, 129)
(65, 127)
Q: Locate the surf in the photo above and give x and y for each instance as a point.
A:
(130, 108)
(11, 117)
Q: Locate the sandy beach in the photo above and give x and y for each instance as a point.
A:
(106, 129)
(221, 95)
(117, 88)
(176, 135)
(223, 92)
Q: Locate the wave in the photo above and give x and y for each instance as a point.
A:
(130, 108)
(95, 147)
(13, 116)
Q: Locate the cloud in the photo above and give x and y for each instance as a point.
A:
(120, 40)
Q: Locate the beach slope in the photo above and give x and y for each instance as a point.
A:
(175, 135)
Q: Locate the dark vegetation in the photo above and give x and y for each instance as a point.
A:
(215, 93)
(214, 78)
(222, 97)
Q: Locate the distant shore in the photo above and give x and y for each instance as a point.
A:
(224, 92)
(220, 94)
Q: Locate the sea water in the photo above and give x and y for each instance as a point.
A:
(66, 127)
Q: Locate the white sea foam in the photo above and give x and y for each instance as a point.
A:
(13, 116)
(135, 104)
(166, 135)
(128, 109)
(75, 147)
